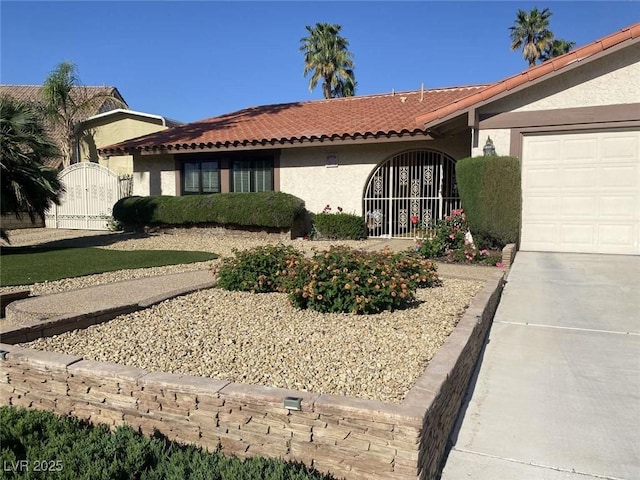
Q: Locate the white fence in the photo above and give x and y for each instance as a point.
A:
(90, 192)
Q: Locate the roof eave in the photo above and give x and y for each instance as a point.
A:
(543, 72)
(356, 138)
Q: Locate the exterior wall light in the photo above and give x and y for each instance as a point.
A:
(489, 150)
(293, 403)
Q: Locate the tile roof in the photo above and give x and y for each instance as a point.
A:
(407, 113)
(628, 34)
(340, 118)
(32, 93)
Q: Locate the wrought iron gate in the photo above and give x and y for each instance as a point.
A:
(90, 192)
(409, 192)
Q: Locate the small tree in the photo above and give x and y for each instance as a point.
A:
(28, 186)
(326, 54)
(66, 102)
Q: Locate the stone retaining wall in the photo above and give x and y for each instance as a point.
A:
(347, 437)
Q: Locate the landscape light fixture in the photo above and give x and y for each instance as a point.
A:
(3, 354)
(293, 403)
(489, 150)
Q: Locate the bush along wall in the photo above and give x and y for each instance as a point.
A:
(490, 192)
(338, 225)
(275, 210)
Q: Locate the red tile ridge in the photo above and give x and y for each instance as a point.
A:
(533, 73)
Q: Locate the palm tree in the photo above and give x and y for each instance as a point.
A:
(556, 48)
(65, 103)
(530, 32)
(27, 185)
(327, 56)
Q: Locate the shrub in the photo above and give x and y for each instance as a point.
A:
(469, 253)
(261, 209)
(346, 280)
(430, 247)
(258, 269)
(338, 226)
(451, 230)
(447, 235)
(491, 195)
(73, 449)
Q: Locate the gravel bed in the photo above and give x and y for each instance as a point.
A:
(261, 339)
(221, 242)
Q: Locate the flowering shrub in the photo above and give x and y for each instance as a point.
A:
(446, 236)
(256, 270)
(449, 241)
(470, 254)
(338, 226)
(452, 229)
(336, 280)
(346, 280)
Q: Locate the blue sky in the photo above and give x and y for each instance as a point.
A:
(192, 60)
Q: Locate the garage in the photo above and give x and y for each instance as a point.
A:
(581, 192)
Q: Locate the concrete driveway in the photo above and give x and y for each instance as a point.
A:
(557, 395)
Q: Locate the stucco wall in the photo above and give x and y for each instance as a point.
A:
(614, 79)
(501, 141)
(113, 129)
(304, 172)
(122, 165)
(154, 175)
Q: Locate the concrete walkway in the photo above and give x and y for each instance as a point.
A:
(141, 291)
(557, 395)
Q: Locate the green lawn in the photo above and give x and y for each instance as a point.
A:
(27, 265)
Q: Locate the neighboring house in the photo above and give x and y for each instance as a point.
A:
(32, 94)
(574, 122)
(116, 126)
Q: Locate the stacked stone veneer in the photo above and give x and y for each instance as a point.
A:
(345, 436)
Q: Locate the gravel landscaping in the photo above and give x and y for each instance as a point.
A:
(260, 338)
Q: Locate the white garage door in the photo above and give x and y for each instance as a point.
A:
(581, 192)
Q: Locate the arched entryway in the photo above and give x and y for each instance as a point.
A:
(409, 191)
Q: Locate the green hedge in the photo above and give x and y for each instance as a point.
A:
(262, 210)
(339, 226)
(490, 192)
(68, 448)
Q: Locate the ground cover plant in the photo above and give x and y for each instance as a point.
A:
(68, 448)
(28, 265)
(339, 279)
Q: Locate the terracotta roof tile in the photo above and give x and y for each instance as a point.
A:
(31, 93)
(353, 117)
(341, 118)
(533, 73)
